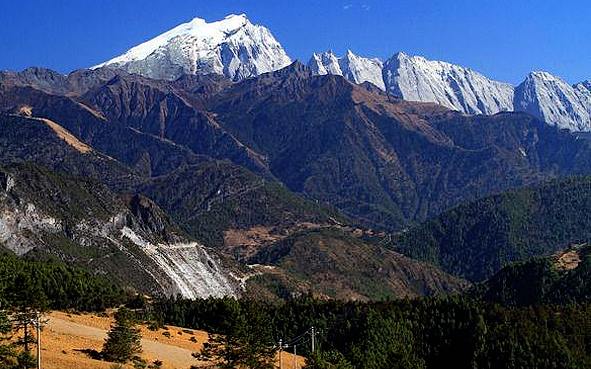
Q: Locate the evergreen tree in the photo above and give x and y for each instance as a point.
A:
(8, 355)
(124, 339)
(327, 360)
(245, 341)
(222, 349)
(27, 301)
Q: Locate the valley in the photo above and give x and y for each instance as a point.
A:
(236, 205)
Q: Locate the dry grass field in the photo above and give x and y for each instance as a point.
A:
(68, 338)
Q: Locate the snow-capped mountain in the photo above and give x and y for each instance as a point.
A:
(418, 79)
(553, 100)
(236, 48)
(325, 63)
(354, 68)
(233, 47)
(584, 87)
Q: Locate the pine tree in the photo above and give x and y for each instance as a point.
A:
(244, 342)
(27, 301)
(8, 355)
(225, 349)
(124, 339)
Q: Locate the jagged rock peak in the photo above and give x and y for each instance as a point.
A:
(354, 68)
(551, 99)
(418, 79)
(233, 47)
(325, 63)
(584, 86)
(40, 78)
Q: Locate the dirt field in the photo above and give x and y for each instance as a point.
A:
(67, 338)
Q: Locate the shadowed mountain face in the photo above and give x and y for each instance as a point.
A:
(385, 160)
(241, 166)
(154, 108)
(382, 160)
(25, 139)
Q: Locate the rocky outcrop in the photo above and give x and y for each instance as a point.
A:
(81, 222)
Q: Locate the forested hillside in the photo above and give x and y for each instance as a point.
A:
(54, 285)
(477, 239)
(420, 333)
(541, 281)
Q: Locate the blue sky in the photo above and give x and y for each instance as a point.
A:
(502, 39)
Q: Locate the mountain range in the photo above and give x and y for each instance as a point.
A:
(237, 49)
(209, 164)
(313, 151)
(415, 78)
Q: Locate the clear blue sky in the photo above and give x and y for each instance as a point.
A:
(502, 39)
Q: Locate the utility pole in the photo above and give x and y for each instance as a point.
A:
(280, 356)
(38, 316)
(312, 339)
(295, 357)
(38, 323)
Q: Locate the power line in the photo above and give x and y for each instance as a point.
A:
(301, 335)
(300, 339)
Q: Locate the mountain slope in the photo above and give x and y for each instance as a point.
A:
(332, 263)
(542, 280)
(155, 108)
(389, 161)
(233, 47)
(28, 139)
(134, 123)
(417, 79)
(477, 239)
(80, 221)
(213, 199)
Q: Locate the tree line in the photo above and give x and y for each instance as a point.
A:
(54, 285)
(421, 333)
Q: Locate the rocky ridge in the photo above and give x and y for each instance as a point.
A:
(415, 78)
